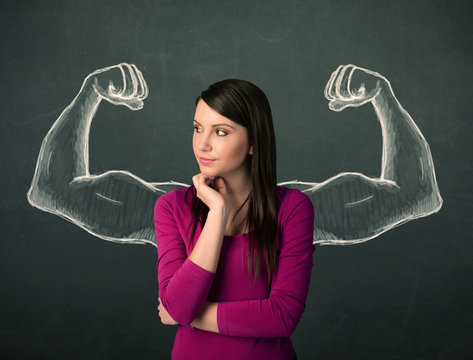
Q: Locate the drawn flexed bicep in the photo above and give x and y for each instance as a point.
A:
(350, 207)
(115, 206)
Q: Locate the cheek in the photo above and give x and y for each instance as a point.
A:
(194, 144)
(239, 150)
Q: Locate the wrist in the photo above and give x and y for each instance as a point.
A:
(385, 94)
(87, 93)
(207, 318)
(219, 213)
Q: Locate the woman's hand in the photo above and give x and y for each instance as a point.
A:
(214, 199)
(166, 319)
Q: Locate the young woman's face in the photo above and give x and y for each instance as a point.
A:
(220, 145)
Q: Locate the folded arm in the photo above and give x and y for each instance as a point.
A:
(279, 314)
(183, 284)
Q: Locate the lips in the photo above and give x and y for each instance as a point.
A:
(206, 161)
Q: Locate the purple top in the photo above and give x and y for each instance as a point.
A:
(254, 322)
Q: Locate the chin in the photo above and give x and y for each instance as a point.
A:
(210, 172)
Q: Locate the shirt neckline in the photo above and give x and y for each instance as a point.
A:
(237, 235)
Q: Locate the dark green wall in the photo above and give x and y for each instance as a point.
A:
(406, 295)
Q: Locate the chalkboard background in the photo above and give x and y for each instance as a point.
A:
(407, 294)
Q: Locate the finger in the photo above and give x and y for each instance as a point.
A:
(131, 88)
(339, 105)
(341, 83)
(196, 181)
(132, 104)
(329, 88)
(142, 86)
(350, 76)
(125, 81)
(122, 90)
(220, 186)
(205, 180)
(338, 81)
(329, 84)
(139, 88)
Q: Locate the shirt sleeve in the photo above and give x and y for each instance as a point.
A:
(280, 313)
(183, 285)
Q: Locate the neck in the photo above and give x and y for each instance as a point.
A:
(238, 187)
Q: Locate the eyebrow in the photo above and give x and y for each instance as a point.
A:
(222, 124)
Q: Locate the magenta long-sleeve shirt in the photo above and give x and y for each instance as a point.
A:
(254, 322)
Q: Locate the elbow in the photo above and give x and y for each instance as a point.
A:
(432, 203)
(426, 203)
(288, 327)
(180, 313)
(183, 318)
(289, 316)
(39, 199)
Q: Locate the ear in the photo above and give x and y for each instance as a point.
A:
(251, 150)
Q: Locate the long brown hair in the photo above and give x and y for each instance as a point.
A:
(247, 105)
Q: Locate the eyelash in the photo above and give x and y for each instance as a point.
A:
(196, 128)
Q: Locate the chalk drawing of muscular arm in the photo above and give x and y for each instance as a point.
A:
(117, 205)
(350, 207)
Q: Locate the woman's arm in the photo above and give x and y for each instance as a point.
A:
(279, 314)
(184, 282)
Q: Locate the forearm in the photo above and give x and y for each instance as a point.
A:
(263, 318)
(207, 319)
(184, 288)
(206, 252)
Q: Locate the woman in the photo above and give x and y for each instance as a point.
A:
(234, 250)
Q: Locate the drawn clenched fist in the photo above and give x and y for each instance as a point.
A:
(121, 84)
(352, 86)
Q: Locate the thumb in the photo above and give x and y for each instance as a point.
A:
(338, 105)
(220, 186)
(116, 99)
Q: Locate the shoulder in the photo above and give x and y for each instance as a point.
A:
(293, 203)
(175, 199)
(290, 198)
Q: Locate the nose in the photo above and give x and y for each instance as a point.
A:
(204, 143)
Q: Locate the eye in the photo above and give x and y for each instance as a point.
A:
(197, 129)
(221, 133)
